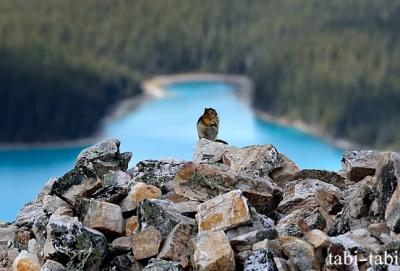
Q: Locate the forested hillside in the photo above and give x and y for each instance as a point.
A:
(335, 64)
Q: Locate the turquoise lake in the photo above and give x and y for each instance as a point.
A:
(163, 128)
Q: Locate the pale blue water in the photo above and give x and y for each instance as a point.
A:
(163, 128)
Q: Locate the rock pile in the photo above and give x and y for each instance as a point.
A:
(229, 209)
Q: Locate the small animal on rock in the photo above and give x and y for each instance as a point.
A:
(208, 124)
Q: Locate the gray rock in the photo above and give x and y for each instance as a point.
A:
(116, 187)
(358, 242)
(388, 176)
(51, 265)
(74, 245)
(146, 243)
(7, 234)
(300, 253)
(318, 239)
(51, 203)
(159, 173)
(285, 174)
(358, 206)
(76, 184)
(260, 260)
(392, 214)
(33, 246)
(162, 265)
(7, 256)
(246, 241)
(139, 192)
(28, 215)
(186, 208)
(103, 157)
(258, 223)
(202, 182)
(257, 160)
(377, 229)
(212, 251)
(272, 245)
(46, 190)
(356, 212)
(281, 264)
(40, 233)
(299, 190)
(337, 253)
(154, 212)
(102, 216)
(307, 205)
(322, 175)
(359, 164)
(223, 212)
(306, 216)
(121, 244)
(124, 262)
(209, 151)
(176, 246)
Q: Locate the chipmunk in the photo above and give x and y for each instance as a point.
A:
(208, 124)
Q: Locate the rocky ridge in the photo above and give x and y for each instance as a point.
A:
(229, 209)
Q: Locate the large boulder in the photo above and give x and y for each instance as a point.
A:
(387, 178)
(51, 265)
(208, 151)
(102, 216)
(7, 234)
(392, 214)
(257, 160)
(139, 192)
(212, 251)
(300, 253)
(258, 223)
(103, 157)
(286, 173)
(159, 173)
(115, 187)
(72, 244)
(322, 175)
(223, 212)
(176, 246)
(28, 214)
(162, 265)
(202, 182)
(307, 204)
(26, 262)
(52, 202)
(358, 242)
(359, 164)
(123, 262)
(327, 195)
(356, 213)
(76, 184)
(154, 212)
(147, 243)
(260, 260)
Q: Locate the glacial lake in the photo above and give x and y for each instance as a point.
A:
(163, 128)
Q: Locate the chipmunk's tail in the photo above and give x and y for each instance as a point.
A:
(221, 141)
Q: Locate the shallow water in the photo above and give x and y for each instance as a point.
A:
(163, 128)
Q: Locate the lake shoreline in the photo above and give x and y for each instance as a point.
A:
(155, 87)
(243, 88)
(307, 128)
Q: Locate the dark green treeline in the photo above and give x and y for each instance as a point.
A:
(335, 64)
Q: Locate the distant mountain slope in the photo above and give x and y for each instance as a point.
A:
(334, 64)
